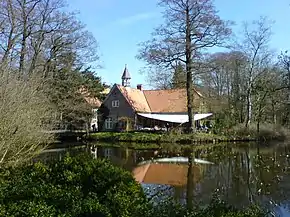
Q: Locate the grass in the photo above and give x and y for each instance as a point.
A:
(158, 138)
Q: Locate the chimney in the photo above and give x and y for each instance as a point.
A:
(139, 86)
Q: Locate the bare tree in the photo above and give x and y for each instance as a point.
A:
(39, 32)
(284, 60)
(9, 32)
(25, 116)
(160, 78)
(224, 86)
(256, 48)
(191, 26)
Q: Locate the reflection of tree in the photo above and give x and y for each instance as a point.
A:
(242, 175)
(246, 176)
(190, 183)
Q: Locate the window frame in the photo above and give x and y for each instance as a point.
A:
(115, 103)
(109, 123)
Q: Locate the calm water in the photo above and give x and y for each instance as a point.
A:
(241, 174)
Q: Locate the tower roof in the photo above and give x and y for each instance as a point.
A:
(126, 74)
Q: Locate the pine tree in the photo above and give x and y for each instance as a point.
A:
(179, 77)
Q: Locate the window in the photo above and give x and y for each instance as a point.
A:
(109, 123)
(115, 103)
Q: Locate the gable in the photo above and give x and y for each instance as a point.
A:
(135, 98)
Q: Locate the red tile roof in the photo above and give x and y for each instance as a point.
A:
(162, 101)
(157, 101)
(135, 98)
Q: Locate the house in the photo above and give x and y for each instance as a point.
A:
(146, 108)
(95, 103)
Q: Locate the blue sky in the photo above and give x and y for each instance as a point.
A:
(119, 25)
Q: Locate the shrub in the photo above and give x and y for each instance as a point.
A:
(74, 186)
(25, 114)
(267, 131)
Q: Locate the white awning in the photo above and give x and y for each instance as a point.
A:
(174, 118)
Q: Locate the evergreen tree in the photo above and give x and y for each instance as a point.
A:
(179, 76)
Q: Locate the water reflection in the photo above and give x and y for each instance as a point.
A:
(241, 175)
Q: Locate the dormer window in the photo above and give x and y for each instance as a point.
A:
(115, 103)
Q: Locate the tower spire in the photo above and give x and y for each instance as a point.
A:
(126, 77)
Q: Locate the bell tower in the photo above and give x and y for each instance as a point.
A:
(126, 77)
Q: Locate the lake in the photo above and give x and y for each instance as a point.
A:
(242, 174)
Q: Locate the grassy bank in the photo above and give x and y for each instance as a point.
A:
(142, 137)
(237, 133)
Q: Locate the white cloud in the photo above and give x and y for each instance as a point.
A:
(135, 18)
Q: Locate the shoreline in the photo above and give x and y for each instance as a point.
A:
(157, 138)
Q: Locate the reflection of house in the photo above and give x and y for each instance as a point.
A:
(108, 152)
(121, 157)
(166, 174)
(146, 108)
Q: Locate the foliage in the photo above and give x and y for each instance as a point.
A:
(69, 91)
(25, 114)
(92, 82)
(63, 92)
(125, 123)
(179, 76)
(103, 113)
(74, 186)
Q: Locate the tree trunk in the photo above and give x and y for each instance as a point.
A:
(189, 82)
(249, 108)
(10, 41)
(273, 113)
(37, 50)
(23, 41)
